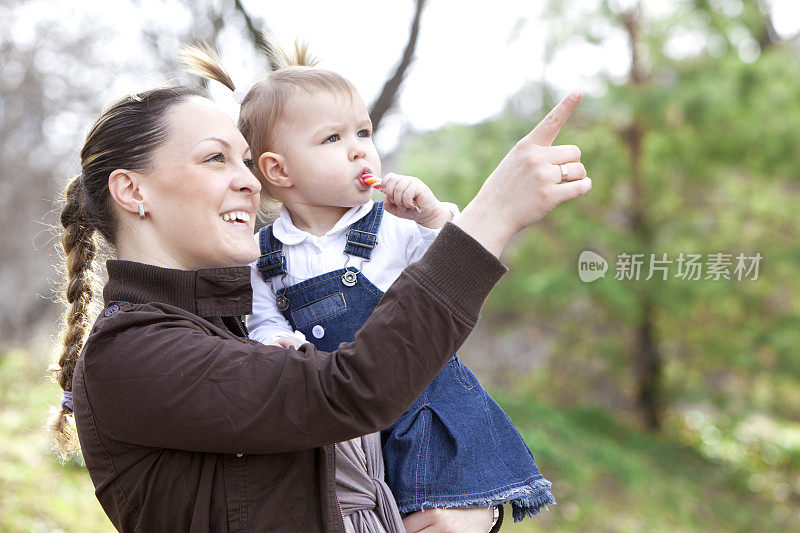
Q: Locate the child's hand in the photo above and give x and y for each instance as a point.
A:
(287, 342)
(405, 193)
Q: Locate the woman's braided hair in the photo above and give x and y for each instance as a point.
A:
(123, 137)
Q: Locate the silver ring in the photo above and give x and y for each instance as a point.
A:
(564, 173)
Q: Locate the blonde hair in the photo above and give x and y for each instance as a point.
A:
(124, 136)
(263, 108)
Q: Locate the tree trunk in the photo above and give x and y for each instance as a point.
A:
(647, 359)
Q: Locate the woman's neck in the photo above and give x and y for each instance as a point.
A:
(316, 220)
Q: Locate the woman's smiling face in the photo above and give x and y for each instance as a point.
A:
(201, 197)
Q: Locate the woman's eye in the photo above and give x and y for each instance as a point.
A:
(249, 164)
(217, 158)
(332, 139)
(365, 133)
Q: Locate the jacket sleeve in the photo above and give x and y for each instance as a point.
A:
(163, 380)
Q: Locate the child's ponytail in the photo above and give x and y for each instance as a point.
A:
(202, 60)
(278, 57)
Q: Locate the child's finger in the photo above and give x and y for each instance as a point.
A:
(409, 194)
(399, 191)
(387, 184)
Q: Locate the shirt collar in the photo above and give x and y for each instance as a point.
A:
(286, 232)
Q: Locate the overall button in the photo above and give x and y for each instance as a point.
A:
(349, 278)
(318, 331)
(282, 302)
(111, 310)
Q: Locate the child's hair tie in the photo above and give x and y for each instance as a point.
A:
(238, 96)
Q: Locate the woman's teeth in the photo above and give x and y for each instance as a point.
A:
(235, 216)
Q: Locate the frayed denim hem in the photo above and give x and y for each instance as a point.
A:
(526, 501)
(530, 502)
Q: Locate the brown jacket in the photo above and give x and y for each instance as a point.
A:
(185, 425)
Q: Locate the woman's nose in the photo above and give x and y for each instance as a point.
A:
(245, 181)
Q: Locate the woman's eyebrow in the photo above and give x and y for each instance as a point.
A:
(223, 142)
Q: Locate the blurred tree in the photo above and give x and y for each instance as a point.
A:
(46, 88)
(689, 155)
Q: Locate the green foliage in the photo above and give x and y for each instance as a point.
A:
(609, 477)
(718, 174)
(37, 492)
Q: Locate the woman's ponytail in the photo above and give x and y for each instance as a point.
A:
(80, 249)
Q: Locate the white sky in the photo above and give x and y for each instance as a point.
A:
(464, 70)
(471, 56)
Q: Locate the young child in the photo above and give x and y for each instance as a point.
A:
(329, 256)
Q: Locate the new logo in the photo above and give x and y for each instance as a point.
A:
(591, 266)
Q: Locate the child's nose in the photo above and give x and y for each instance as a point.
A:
(357, 152)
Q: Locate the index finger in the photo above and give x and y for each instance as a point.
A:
(546, 131)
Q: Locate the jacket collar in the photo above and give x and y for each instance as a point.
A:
(207, 293)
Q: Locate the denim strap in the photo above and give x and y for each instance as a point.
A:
(363, 235)
(272, 262)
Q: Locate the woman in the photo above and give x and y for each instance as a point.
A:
(184, 423)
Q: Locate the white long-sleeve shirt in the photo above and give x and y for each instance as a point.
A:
(400, 243)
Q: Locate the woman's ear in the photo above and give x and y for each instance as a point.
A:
(122, 184)
(272, 168)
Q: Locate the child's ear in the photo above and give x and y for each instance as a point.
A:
(271, 166)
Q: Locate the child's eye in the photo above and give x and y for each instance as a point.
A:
(217, 158)
(249, 164)
(332, 139)
(365, 133)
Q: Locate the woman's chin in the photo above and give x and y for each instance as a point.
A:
(237, 246)
(230, 255)
(245, 256)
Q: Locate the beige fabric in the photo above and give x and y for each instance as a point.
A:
(366, 501)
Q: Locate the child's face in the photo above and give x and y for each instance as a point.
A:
(326, 144)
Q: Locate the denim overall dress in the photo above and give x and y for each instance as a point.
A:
(454, 447)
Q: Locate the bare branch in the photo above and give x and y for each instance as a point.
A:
(388, 95)
(257, 35)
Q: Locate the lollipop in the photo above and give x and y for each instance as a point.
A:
(370, 180)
